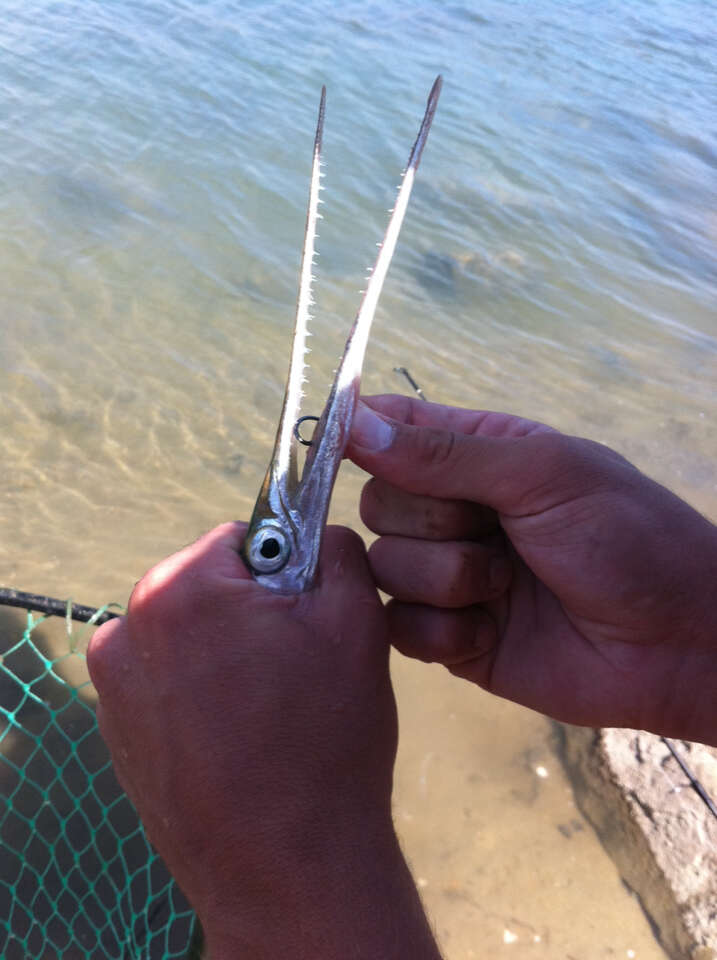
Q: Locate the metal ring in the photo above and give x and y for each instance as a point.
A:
(307, 443)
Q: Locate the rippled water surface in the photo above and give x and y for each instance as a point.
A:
(557, 261)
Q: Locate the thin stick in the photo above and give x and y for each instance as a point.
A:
(694, 782)
(51, 606)
(410, 379)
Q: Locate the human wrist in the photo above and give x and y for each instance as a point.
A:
(353, 895)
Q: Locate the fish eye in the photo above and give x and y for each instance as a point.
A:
(269, 549)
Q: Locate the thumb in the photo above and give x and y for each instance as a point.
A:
(509, 464)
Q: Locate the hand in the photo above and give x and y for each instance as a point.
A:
(543, 567)
(256, 735)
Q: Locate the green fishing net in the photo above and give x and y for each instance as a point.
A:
(78, 878)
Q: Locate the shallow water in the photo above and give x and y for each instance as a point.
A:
(557, 261)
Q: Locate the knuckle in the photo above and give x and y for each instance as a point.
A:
(437, 447)
(346, 545)
(140, 595)
(102, 653)
(382, 562)
(370, 505)
(344, 538)
(374, 553)
(560, 466)
(148, 590)
(438, 517)
(461, 572)
(567, 456)
(387, 509)
(576, 461)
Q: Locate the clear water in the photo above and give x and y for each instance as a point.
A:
(557, 261)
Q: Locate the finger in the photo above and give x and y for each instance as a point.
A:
(522, 470)
(343, 563)
(386, 509)
(454, 638)
(105, 653)
(223, 541)
(345, 610)
(213, 556)
(443, 574)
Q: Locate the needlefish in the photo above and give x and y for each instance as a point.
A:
(283, 541)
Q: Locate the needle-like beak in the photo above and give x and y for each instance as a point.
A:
(284, 537)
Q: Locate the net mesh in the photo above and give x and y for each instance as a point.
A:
(78, 878)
